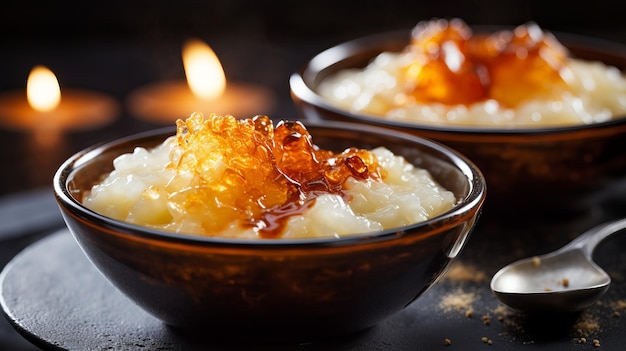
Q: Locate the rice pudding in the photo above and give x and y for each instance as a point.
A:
(449, 75)
(248, 178)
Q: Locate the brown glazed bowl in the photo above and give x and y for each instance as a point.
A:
(550, 169)
(275, 289)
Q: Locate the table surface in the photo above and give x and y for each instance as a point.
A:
(57, 300)
(29, 214)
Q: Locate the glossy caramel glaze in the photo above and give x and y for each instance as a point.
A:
(269, 173)
(453, 66)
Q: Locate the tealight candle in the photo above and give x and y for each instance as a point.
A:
(205, 90)
(46, 111)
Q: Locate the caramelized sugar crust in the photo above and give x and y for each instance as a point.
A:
(268, 173)
(453, 66)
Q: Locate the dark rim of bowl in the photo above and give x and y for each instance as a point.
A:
(303, 83)
(472, 202)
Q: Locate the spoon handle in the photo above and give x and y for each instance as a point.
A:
(588, 241)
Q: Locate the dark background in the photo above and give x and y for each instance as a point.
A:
(29, 21)
(116, 46)
(37, 31)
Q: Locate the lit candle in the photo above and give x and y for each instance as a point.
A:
(48, 112)
(205, 90)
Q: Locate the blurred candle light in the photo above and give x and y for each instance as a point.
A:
(47, 112)
(205, 90)
(203, 70)
(42, 89)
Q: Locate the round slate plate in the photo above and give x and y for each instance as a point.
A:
(53, 296)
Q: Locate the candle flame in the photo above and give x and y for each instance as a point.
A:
(203, 69)
(42, 89)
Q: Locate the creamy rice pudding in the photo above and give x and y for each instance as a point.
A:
(248, 178)
(448, 75)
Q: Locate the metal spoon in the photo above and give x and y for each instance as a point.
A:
(566, 280)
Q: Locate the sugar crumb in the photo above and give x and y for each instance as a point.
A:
(536, 261)
(458, 300)
(486, 340)
(463, 272)
(486, 319)
(620, 305)
(587, 324)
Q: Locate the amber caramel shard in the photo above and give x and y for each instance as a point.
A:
(292, 168)
(453, 66)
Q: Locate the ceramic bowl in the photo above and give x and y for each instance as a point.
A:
(275, 289)
(549, 169)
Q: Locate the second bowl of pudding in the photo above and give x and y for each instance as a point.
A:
(556, 151)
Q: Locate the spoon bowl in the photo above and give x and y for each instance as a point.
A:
(566, 280)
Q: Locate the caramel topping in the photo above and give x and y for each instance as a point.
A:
(453, 66)
(441, 70)
(247, 170)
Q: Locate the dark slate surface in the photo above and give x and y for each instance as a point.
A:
(52, 295)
